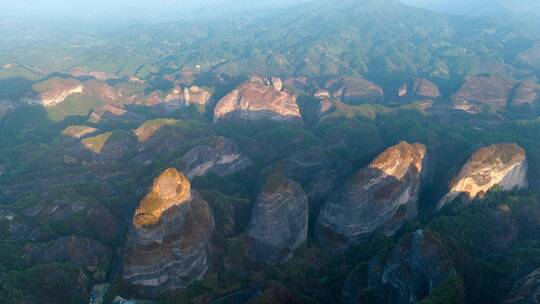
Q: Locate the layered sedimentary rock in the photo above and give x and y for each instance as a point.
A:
(526, 93)
(379, 198)
(355, 90)
(83, 252)
(189, 95)
(53, 91)
(258, 99)
(169, 244)
(418, 89)
(483, 92)
(503, 165)
(526, 291)
(279, 220)
(221, 157)
(411, 271)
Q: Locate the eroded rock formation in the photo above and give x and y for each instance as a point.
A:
(412, 269)
(503, 165)
(53, 91)
(481, 92)
(221, 157)
(279, 220)
(258, 99)
(355, 90)
(418, 89)
(169, 244)
(379, 198)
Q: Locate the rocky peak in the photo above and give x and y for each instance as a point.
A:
(170, 243)
(379, 198)
(258, 99)
(503, 165)
(484, 90)
(279, 219)
(355, 90)
(412, 270)
(418, 89)
(170, 189)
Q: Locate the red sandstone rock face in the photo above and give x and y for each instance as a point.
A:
(481, 91)
(355, 90)
(169, 244)
(526, 93)
(418, 89)
(258, 99)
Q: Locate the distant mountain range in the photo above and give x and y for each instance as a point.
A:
(481, 7)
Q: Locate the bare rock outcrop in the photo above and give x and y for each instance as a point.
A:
(526, 291)
(169, 244)
(411, 271)
(279, 220)
(377, 199)
(418, 89)
(221, 157)
(503, 165)
(355, 90)
(53, 91)
(485, 91)
(526, 93)
(193, 95)
(258, 99)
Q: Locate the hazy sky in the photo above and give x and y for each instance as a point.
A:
(148, 10)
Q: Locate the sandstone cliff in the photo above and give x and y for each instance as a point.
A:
(169, 244)
(526, 93)
(258, 99)
(411, 271)
(480, 92)
(188, 95)
(221, 157)
(279, 220)
(526, 291)
(503, 165)
(418, 89)
(379, 198)
(355, 90)
(53, 91)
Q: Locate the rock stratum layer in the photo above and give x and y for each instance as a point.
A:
(221, 157)
(169, 244)
(279, 219)
(379, 198)
(503, 165)
(412, 270)
(258, 99)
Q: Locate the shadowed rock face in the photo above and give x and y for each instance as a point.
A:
(379, 198)
(279, 219)
(503, 165)
(355, 90)
(221, 157)
(168, 246)
(412, 270)
(258, 99)
(417, 89)
(526, 291)
(188, 95)
(480, 91)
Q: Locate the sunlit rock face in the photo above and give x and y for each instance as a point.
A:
(79, 132)
(526, 291)
(379, 198)
(411, 271)
(355, 90)
(526, 93)
(279, 220)
(503, 165)
(188, 96)
(53, 91)
(221, 157)
(258, 99)
(418, 89)
(169, 244)
(481, 93)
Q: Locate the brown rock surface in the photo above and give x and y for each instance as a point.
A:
(479, 91)
(355, 90)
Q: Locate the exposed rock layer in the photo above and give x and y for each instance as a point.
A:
(378, 198)
(169, 244)
(503, 165)
(355, 90)
(483, 91)
(258, 99)
(279, 219)
(412, 270)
